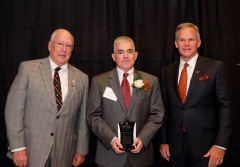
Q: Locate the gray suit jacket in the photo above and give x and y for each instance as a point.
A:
(32, 119)
(103, 114)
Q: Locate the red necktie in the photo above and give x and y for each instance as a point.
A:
(182, 86)
(126, 90)
(57, 88)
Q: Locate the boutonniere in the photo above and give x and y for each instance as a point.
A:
(140, 84)
(204, 77)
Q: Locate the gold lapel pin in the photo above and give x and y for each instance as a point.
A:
(73, 83)
(197, 72)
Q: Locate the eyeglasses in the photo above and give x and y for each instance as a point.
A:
(60, 44)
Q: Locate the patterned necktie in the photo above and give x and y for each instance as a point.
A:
(126, 90)
(57, 88)
(182, 86)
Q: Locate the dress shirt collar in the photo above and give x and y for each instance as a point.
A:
(121, 72)
(53, 66)
(191, 62)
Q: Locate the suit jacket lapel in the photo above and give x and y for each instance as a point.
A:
(134, 93)
(71, 87)
(195, 77)
(175, 74)
(48, 81)
(115, 85)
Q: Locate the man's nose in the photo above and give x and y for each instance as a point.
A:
(186, 42)
(64, 47)
(125, 55)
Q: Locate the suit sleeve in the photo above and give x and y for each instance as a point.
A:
(83, 131)
(224, 109)
(162, 135)
(154, 122)
(94, 116)
(14, 109)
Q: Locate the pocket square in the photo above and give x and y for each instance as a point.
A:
(109, 94)
(204, 77)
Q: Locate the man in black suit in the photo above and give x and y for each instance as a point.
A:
(197, 123)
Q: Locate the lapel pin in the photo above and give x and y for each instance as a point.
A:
(73, 83)
(197, 72)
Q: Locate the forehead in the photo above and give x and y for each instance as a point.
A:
(126, 45)
(187, 32)
(63, 36)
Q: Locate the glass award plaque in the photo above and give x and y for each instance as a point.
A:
(127, 134)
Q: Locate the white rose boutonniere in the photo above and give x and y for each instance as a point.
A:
(140, 84)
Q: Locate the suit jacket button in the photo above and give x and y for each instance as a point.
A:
(57, 117)
(52, 134)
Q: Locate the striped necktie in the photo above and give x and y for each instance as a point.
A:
(57, 88)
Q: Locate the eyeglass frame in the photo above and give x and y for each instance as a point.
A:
(61, 44)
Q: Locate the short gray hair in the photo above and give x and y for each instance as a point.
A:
(121, 39)
(186, 25)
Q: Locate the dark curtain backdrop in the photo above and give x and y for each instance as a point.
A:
(26, 26)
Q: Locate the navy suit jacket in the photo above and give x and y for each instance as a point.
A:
(206, 113)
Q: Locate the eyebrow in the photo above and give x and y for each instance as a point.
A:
(123, 50)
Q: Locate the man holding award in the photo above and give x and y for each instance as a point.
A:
(124, 111)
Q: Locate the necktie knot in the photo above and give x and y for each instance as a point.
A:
(57, 69)
(186, 65)
(125, 75)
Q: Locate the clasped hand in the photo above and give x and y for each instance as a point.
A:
(117, 146)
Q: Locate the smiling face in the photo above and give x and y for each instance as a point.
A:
(61, 47)
(187, 43)
(124, 55)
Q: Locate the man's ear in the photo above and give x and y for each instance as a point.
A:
(176, 44)
(113, 57)
(136, 55)
(199, 43)
(49, 45)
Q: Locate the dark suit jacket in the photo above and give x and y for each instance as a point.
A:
(205, 114)
(32, 120)
(103, 114)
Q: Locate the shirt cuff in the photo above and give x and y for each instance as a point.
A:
(112, 140)
(19, 149)
(223, 148)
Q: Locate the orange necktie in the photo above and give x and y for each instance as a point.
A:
(182, 86)
(126, 90)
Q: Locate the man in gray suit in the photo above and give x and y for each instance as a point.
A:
(39, 133)
(108, 105)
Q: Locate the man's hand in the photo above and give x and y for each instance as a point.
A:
(117, 146)
(138, 144)
(78, 159)
(216, 156)
(164, 150)
(20, 158)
